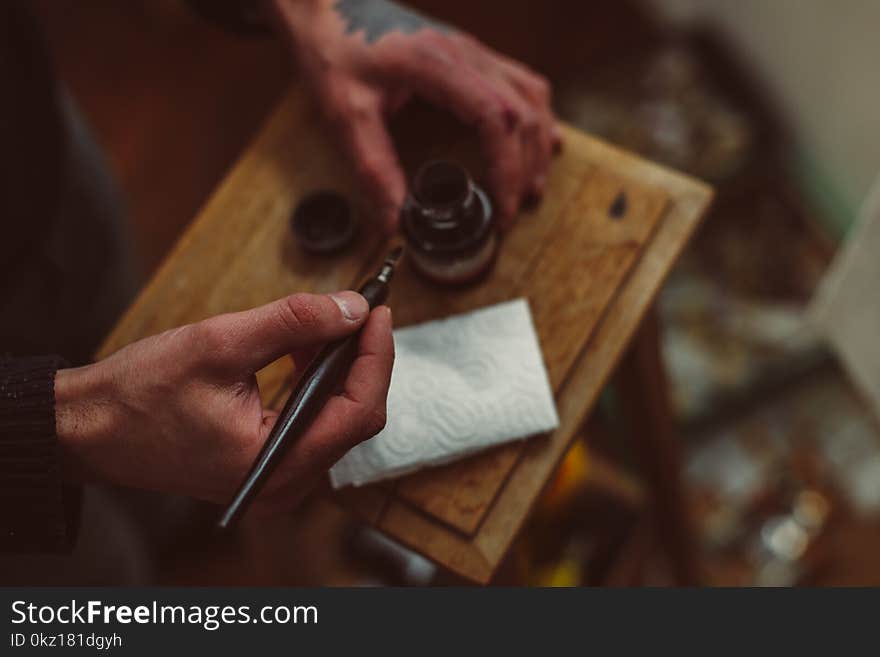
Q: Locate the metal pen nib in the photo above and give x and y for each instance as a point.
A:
(390, 263)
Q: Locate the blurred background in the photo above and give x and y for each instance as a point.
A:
(774, 103)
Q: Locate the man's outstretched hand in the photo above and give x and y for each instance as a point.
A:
(180, 411)
(363, 59)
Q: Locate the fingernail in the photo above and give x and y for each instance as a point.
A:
(353, 306)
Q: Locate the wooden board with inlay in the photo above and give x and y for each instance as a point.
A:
(589, 259)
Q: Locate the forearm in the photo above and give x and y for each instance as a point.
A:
(374, 18)
(303, 22)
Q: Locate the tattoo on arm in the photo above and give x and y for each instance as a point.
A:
(375, 18)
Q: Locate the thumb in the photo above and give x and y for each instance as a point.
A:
(252, 339)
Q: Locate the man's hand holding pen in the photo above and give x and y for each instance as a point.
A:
(181, 411)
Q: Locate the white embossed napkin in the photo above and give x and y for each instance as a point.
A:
(459, 385)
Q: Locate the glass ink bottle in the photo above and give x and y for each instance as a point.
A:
(448, 223)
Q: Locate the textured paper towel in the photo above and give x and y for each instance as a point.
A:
(459, 385)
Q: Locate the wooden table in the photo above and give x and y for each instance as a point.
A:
(590, 260)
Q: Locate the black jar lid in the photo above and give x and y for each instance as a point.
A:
(446, 213)
(323, 222)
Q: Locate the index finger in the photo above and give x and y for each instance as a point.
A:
(353, 415)
(358, 411)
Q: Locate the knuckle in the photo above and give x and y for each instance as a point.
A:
(531, 125)
(437, 53)
(298, 313)
(360, 107)
(340, 114)
(508, 119)
(542, 89)
(394, 62)
(491, 112)
(345, 103)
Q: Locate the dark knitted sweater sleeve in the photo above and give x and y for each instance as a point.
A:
(37, 512)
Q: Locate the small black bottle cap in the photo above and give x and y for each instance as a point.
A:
(323, 222)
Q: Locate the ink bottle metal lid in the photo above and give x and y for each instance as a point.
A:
(447, 221)
(323, 222)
